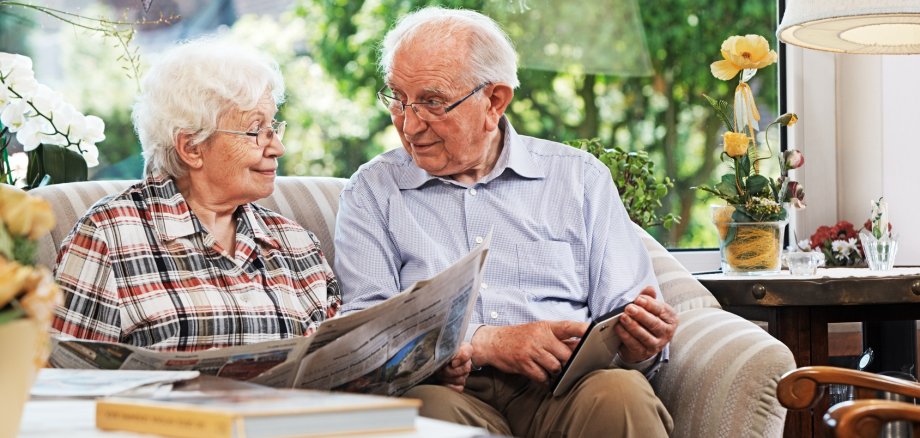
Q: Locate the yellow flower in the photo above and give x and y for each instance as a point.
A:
(24, 215)
(735, 143)
(41, 297)
(15, 279)
(742, 53)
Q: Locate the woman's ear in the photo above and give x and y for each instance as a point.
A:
(499, 96)
(189, 152)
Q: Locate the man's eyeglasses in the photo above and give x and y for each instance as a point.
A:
(430, 110)
(264, 135)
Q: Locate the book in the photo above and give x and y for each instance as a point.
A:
(596, 350)
(257, 413)
(384, 349)
(61, 383)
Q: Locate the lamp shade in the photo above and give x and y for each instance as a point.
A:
(853, 26)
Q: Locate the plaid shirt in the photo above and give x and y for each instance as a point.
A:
(139, 268)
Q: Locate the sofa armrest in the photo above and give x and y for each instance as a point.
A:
(721, 380)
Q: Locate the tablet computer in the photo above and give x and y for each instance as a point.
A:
(596, 350)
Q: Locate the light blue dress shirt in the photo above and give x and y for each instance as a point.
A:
(563, 247)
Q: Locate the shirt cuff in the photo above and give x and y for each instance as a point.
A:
(470, 331)
(649, 367)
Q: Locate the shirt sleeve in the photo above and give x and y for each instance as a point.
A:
(333, 291)
(367, 260)
(619, 265)
(90, 308)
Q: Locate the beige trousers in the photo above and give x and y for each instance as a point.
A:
(605, 403)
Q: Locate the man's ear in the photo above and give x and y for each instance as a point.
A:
(189, 152)
(499, 96)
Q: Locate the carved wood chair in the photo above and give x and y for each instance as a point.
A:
(803, 388)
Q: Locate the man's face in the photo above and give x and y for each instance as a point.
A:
(462, 145)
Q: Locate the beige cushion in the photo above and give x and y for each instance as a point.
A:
(680, 289)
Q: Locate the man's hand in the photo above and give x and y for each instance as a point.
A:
(646, 327)
(537, 350)
(453, 374)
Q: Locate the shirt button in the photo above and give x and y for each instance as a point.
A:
(494, 315)
(244, 298)
(483, 286)
(478, 239)
(473, 192)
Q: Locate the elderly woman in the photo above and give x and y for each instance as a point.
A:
(184, 260)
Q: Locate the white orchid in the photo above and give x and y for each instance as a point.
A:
(15, 115)
(39, 115)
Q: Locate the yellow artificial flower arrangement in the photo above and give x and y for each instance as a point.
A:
(26, 291)
(753, 196)
(751, 225)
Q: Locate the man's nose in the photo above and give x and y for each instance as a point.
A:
(412, 123)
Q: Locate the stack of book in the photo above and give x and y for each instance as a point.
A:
(257, 413)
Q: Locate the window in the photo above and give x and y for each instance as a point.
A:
(628, 72)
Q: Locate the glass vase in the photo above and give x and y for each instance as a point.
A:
(22, 341)
(748, 248)
(879, 252)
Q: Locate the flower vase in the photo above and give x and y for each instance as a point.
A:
(748, 248)
(24, 344)
(879, 252)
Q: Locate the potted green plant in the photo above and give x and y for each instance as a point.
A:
(633, 174)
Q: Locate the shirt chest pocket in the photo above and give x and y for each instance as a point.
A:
(546, 270)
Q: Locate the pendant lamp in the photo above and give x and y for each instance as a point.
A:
(873, 27)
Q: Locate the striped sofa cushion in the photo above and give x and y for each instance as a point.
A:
(722, 378)
(680, 289)
(310, 201)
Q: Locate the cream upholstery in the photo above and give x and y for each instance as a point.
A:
(721, 381)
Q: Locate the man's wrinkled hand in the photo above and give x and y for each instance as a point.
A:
(454, 374)
(645, 327)
(536, 350)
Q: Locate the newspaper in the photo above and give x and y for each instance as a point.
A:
(385, 349)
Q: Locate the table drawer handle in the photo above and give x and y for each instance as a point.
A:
(759, 291)
(915, 287)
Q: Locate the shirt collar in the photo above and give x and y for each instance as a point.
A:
(173, 219)
(514, 156)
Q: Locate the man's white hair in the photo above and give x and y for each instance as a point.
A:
(491, 58)
(189, 88)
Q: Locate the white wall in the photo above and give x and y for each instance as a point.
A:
(859, 117)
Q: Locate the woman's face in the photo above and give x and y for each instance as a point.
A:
(235, 168)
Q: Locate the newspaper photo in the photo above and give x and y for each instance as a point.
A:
(385, 349)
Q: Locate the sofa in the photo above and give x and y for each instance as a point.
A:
(722, 376)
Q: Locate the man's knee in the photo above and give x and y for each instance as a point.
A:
(442, 403)
(438, 402)
(626, 399)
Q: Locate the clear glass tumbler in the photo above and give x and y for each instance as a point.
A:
(879, 252)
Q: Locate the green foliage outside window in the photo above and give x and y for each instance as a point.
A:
(633, 174)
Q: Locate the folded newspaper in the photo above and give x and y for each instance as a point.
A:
(385, 349)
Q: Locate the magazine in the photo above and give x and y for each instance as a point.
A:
(385, 349)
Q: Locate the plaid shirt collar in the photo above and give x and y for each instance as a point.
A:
(173, 219)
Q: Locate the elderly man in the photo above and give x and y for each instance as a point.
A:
(563, 250)
(184, 260)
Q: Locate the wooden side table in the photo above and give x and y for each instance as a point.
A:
(797, 310)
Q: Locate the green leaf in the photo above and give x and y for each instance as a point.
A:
(62, 165)
(727, 185)
(744, 165)
(741, 215)
(758, 184)
(722, 110)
